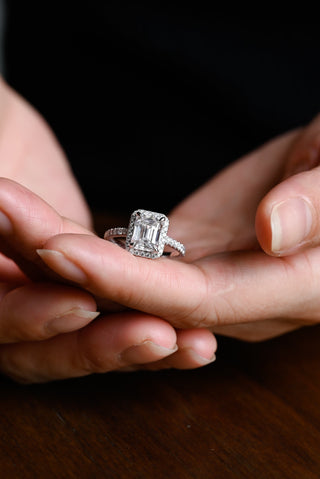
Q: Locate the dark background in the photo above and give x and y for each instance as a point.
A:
(138, 92)
(150, 101)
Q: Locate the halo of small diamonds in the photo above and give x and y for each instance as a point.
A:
(146, 235)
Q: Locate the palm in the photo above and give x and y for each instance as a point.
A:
(225, 278)
(220, 218)
(31, 156)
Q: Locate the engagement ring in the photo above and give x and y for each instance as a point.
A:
(146, 236)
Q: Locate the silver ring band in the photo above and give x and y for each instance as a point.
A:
(146, 236)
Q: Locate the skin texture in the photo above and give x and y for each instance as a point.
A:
(44, 320)
(226, 283)
(23, 160)
(154, 314)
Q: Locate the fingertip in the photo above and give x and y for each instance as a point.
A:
(201, 341)
(138, 328)
(286, 219)
(123, 340)
(131, 331)
(144, 353)
(38, 311)
(25, 212)
(196, 348)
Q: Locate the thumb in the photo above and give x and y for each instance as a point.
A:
(288, 219)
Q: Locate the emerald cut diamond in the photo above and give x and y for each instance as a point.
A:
(147, 233)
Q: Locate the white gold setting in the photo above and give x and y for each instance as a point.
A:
(146, 236)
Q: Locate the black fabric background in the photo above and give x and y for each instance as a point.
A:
(148, 101)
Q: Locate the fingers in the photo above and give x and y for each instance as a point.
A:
(110, 343)
(220, 215)
(227, 288)
(165, 287)
(26, 223)
(122, 341)
(288, 218)
(10, 272)
(36, 311)
(305, 151)
(196, 348)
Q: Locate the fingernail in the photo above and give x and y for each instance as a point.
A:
(145, 352)
(62, 265)
(5, 224)
(71, 320)
(197, 359)
(291, 222)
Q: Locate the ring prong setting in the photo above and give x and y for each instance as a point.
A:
(146, 236)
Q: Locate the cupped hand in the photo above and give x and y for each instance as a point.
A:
(46, 322)
(46, 325)
(226, 283)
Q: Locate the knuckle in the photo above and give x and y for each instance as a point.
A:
(88, 360)
(24, 331)
(10, 365)
(17, 324)
(195, 312)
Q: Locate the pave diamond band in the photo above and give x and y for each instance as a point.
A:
(118, 236)
(146, 236)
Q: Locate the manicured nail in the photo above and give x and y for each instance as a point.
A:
(5, 224)
(62, 265)
(291, 222)
(71, 320)
(145, 352)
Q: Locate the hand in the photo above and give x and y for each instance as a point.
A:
(46, 328)
(43, 322)
(226, 283)
(31, 155)
(43, 332)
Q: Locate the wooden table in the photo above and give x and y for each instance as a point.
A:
(255, 413)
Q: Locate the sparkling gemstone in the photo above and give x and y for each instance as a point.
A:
(146, 233)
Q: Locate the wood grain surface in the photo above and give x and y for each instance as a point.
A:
(253, 414)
